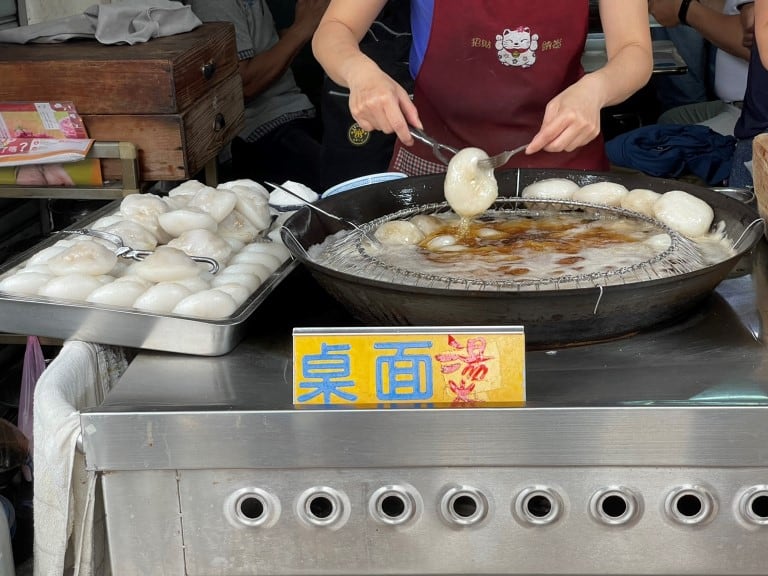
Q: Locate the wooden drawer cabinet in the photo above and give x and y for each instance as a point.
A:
(178, 98)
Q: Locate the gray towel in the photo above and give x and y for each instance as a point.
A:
(124, 23)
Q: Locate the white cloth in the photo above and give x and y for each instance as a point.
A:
(69, 529)
(124, 23)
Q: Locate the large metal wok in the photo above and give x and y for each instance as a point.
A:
(555, 317)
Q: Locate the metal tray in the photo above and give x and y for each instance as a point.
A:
(39, 316)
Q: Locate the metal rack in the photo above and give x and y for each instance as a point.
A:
(129, 184)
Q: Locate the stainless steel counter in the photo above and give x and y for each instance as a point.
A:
(208, 468)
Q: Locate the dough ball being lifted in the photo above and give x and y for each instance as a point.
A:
(469, 189)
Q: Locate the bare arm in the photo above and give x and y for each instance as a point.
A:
(722, 30)
(761, 30)
(572, 118)
(259, 72)
(377, 102)
(628, 44)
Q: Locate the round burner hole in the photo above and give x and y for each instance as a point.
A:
(759, 507)
(690, 505)
(538, 506)
(394, 504)
(253, 507)
(615, 506)
(320, 507)
(753, 505)
(323, 506)
(464, 506)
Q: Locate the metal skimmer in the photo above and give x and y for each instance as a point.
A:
(683, 255)
(123, 251)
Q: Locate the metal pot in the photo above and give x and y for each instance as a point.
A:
(551, 318)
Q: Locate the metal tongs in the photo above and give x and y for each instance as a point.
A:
(124, 251)
(363, 232)
(438, 148)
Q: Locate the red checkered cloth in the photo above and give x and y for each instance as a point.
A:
(413, 165)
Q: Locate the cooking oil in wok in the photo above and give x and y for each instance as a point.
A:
(529, 249)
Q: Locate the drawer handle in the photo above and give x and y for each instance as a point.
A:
(208, 70)
(219, 122)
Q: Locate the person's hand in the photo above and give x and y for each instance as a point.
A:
(30, 175)
(378, 102)
(747, 12)
(43, 175)
(665, 11)
(571, 120)
(55, 175)
(307, 16)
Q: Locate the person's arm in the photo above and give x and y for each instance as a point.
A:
(747, 14)
(260, 71)
(722, 30)
(376, 101)
(761, 30)
(572, 118)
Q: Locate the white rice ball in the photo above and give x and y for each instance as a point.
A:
(603, 193)
(684, 213)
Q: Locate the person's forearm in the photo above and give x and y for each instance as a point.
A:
(623, 75)
(722, 30)
(338, 52)
(337, 49)
(628, 45)
(716, 5)
(336, 42)
(761, 30)
(260, 71)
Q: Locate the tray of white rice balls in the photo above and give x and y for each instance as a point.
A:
(180, 272)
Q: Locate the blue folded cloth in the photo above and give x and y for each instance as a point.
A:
(671, 150)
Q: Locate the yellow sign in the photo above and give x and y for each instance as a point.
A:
(376, 367)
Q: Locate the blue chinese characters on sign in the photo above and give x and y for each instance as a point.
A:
(403, 375)
(327, 373)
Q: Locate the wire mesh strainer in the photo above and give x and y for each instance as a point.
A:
(680, 256)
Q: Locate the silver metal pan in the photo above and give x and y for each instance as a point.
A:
(36, 315)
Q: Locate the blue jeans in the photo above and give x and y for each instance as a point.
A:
(740, 177)
(696, 84)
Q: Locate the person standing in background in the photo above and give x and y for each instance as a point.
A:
(492, 74)
(754, 114)
(718, 22)
(695, 84)
(282, 134)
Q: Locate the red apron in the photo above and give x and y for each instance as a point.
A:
(490, 68)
